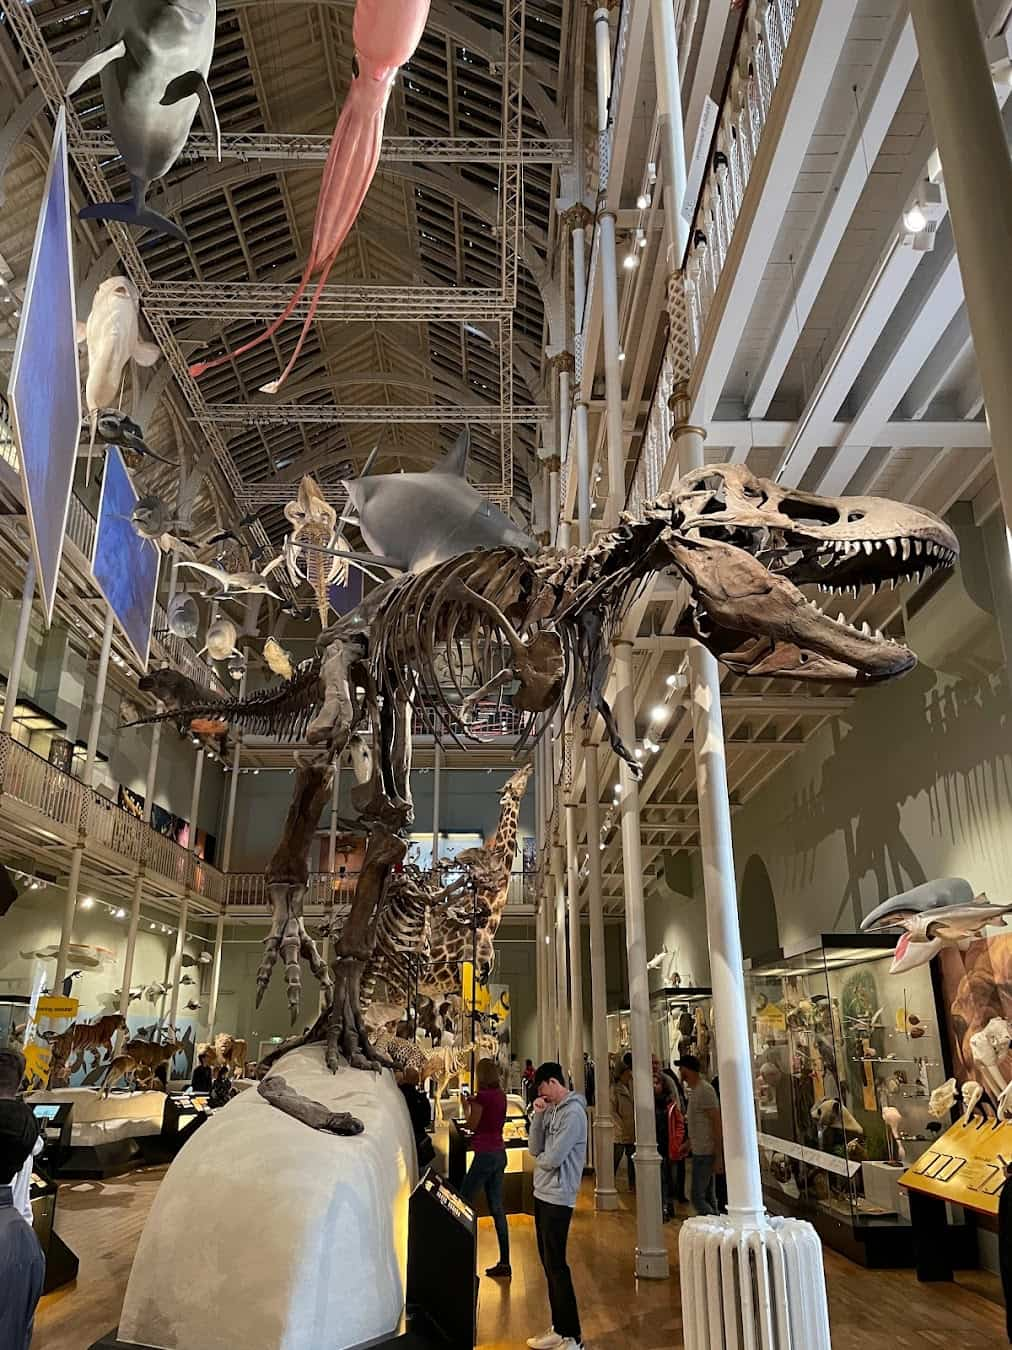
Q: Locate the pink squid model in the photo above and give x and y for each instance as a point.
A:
(386, 33)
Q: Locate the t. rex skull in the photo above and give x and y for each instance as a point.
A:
(745, 545)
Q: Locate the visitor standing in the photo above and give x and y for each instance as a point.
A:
(528, 1083)
(558, 1144)
(202, 1078)
(623, 1114)
(705, 1139)
(486, 1115)
(22, 1264)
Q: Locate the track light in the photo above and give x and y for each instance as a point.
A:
(87, 902)
(630, 262)
(643, 201)
(120, 913)
(660, 713)
(914, 219)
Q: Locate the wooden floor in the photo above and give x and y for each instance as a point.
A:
(871, 1310)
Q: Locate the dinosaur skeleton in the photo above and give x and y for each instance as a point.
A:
(743, 545)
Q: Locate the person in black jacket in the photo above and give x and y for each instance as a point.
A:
(202, 1078)
(22, 1264)
(419, 1113)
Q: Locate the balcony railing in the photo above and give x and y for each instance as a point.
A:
(248, 891)
(31, 781)
(762, 43)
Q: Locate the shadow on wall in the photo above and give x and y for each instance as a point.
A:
(757, 912)
(948, 743)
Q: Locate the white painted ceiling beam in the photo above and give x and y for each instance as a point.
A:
(949, 351)
(897, 435)
(936, 309)
(880, 102)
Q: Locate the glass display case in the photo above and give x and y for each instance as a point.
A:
(619, 1033)
(844, 1059)
(681, 1023)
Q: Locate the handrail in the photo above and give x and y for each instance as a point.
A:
(27, 778)
(759, 57)
(763, 36)
(328, 891)
(64, 800)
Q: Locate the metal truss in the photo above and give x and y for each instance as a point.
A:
(322, 414)
(25, 27)
(248, 147)
(378, 304)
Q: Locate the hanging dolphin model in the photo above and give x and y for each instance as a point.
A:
(154, 62)
(112, 335)
(114, 427)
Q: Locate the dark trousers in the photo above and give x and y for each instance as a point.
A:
(485, 1174)
(22, 1271)
(628, 1150)
(551, 1224)
(678, 1172)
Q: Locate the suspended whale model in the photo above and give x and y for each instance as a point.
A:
(153, 63)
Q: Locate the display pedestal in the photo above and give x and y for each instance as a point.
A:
(761, 1288)
(302, 1234)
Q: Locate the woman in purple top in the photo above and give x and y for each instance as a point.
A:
(486, 1115)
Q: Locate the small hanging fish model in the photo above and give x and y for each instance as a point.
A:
(278, 660)
(183, 615)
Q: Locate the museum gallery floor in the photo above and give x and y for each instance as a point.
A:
(871, 1310)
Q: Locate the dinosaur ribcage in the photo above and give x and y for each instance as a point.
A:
(402, 940)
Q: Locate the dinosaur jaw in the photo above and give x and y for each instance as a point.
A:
(759, 623)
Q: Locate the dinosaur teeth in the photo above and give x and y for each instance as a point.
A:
(840, 617)
(869, 548)
(905, 547)
(891, 546)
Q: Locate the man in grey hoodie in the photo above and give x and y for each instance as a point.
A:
(558, 1144)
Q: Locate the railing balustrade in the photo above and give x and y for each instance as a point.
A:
(30, 780)
(763, 38)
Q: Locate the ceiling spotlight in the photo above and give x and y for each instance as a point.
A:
(639, 753)
(643, 201)
(621, 356)
(671, 681)
(87, 902)
(641, 239)
(630, 262)
(660, 713)
(152, 925)
(652, 172)
(120, 913)
(914, 219)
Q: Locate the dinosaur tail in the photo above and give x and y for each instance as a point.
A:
(283, 710)
(131, 214)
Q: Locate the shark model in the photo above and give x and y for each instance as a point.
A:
(936, 914)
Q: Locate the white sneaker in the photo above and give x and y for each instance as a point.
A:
(568, 1343)
(551, 1340)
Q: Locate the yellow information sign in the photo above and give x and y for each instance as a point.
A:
(965, 1165)
(55, 1009)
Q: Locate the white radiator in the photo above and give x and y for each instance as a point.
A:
(761, 1290)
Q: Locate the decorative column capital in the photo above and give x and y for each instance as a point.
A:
(577, 217)
(602, 4)
(552, 463)
(562, 361)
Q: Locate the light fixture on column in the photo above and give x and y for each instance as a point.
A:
(922, 215)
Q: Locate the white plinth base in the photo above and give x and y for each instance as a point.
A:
(762, 1289)
(268, 1235)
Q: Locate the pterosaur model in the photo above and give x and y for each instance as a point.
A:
(743, 545)
(154, 62)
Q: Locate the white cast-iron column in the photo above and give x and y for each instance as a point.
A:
(609, 282)
(575, 953)
(437, 769)
(87, 776)
(973, 148)
(651, 1250)
(561, 954)
(579, 220)
(605, 1195)
(138, 891)
(212, 1003)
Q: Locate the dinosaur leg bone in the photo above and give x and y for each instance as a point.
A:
(332, 724)
(289, 940)
(346, 1031)
(311, 1113)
